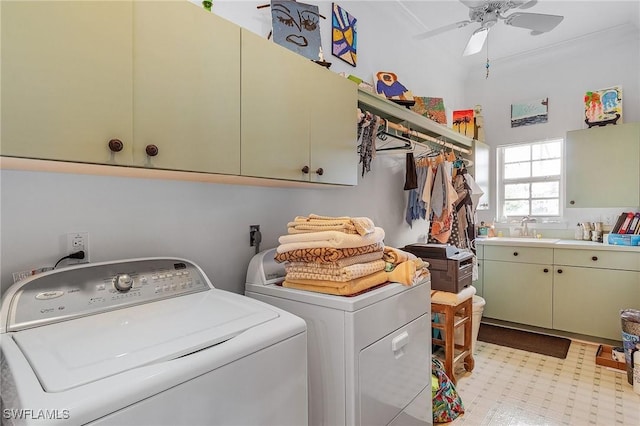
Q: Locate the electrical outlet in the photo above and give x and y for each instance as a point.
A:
(253, 230)
(77, 241)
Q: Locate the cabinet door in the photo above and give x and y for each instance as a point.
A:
(333, 128)
(275, 110)
(67, 80)
(186, 88)
(518, 292)
(588, 300)
(593, 180)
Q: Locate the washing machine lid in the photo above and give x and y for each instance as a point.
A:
(72, 353)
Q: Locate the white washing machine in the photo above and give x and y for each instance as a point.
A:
(147, 342)
(369, 355)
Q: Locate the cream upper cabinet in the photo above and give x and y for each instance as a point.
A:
(298, 119)
(162, 78)
(67, 80)
(186, 91)
(603, 166)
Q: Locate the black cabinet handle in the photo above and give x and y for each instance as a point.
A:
(559, 271)
(151, 150)
(546, 270)
(320, 171)
(515, 253)
(116, 145)
(305, 169)
(594, 258)
(572, 202)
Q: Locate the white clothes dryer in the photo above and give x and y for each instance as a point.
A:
(147, 342)
(369, 354)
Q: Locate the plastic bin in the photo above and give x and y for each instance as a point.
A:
(630, 319)
(478, 308)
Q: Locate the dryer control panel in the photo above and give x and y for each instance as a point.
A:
(91, 288)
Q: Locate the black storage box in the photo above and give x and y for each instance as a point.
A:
(451, 268)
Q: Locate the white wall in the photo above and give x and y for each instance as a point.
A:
(563, 74)
(209, 223)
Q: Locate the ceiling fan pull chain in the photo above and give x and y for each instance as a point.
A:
(487, 64)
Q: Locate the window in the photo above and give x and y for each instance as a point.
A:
(529, 179)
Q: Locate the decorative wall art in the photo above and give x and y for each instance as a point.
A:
(296, 27)
(531, 112)
(602, 107)
(344, 35)
(463, 122)
(387, 84)
(432, 108)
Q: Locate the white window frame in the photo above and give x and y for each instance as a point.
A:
(501, 181)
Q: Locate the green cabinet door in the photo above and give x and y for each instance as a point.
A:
(186, 88)
(518, 292)
(591, 180)
(588, 300)
(67, 80)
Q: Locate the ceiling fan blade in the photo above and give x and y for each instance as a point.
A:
(528, 4)
(537, 22)
(476, 41)
(441, 30)
(472, 3)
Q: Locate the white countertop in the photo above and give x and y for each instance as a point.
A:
(554, 243)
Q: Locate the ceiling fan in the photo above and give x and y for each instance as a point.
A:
(487, 13)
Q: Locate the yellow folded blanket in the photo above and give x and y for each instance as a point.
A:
(409, 272)
(325, 254)
(333, 239)
(315, 271)
(313, 223)
(343, 289)
(396, 256)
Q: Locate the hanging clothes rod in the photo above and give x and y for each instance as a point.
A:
(408, 131)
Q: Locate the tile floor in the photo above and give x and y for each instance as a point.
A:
(514, 387)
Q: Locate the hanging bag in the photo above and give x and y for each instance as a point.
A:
(447, 404)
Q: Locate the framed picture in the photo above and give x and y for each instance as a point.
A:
(529, 113)
(602, 107)
(463, 122)
(296, 26)
(344, 35)
(432, 108)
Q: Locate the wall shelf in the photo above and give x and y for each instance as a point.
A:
(398, 114)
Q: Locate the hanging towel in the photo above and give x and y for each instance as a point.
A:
(411, 178)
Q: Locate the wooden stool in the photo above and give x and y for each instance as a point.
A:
(455, 315)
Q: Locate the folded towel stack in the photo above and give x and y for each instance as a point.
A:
(342, 256)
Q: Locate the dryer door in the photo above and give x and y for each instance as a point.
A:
(393, 371)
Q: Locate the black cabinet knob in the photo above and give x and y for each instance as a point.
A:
(515, 253)
(594, 258)
(546, 270)
(116, 145)
(559, 271)
(151, 150)
(320, 171)
(305, 169)
(572, 202)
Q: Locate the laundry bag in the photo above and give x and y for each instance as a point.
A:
(447, 404)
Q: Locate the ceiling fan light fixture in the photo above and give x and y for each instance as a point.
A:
(476, 41)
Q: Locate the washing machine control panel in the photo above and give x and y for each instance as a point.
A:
(91, 288)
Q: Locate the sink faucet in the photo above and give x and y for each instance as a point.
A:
(525, 221)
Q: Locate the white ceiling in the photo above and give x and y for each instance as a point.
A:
(581, 18)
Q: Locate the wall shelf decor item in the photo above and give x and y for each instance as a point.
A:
(387, 84)
(463, 122)
(344, 35)
(296, 26)
(602, 107)
(432, 108)
(530, 112)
